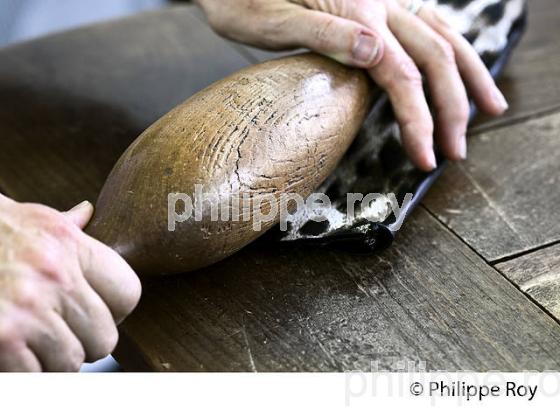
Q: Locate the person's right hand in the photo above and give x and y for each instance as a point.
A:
(61, 292)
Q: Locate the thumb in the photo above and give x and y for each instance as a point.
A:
(347, 41)
(80, 214)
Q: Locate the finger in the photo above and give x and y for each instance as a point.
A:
(399, 77)
(15, 355)
(34, 302)
(54, 344)
(347, 41)
(20, 359)
(479, 82)
(111, 277)
(436, 58)
(397, 74)
(90, 320)
(80, 214)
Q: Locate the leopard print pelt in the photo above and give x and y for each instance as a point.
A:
(376, 163)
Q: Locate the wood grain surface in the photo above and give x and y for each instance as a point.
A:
(538, 275)
(288, 309)
(503, 199)
(248, 141)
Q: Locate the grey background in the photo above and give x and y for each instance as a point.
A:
(26, 19)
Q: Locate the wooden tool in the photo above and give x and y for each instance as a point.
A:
(277, 127)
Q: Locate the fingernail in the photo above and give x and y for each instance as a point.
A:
(366, 49)
(431, 158)
(81, 205)
(500, 99)
(462, 146)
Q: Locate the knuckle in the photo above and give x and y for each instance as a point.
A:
(436, 18)
(457, 112)
(47, 259)
(128, 299)
(112, 340)
(408, 72)
(26, 294)
(427, 129)
(9, 335)
(417, 126)
(463, 113)
(133, 294)
(323, 33)
(443, 51)
(44, 257)
(61, 228)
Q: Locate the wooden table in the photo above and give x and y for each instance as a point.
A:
(471, 283)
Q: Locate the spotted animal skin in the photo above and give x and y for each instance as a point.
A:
(376, 162)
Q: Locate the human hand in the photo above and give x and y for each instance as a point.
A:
(394, 45)
(61, 292)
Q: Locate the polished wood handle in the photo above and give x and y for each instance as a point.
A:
(274, 128)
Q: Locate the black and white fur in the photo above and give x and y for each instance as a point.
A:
(376, 162)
